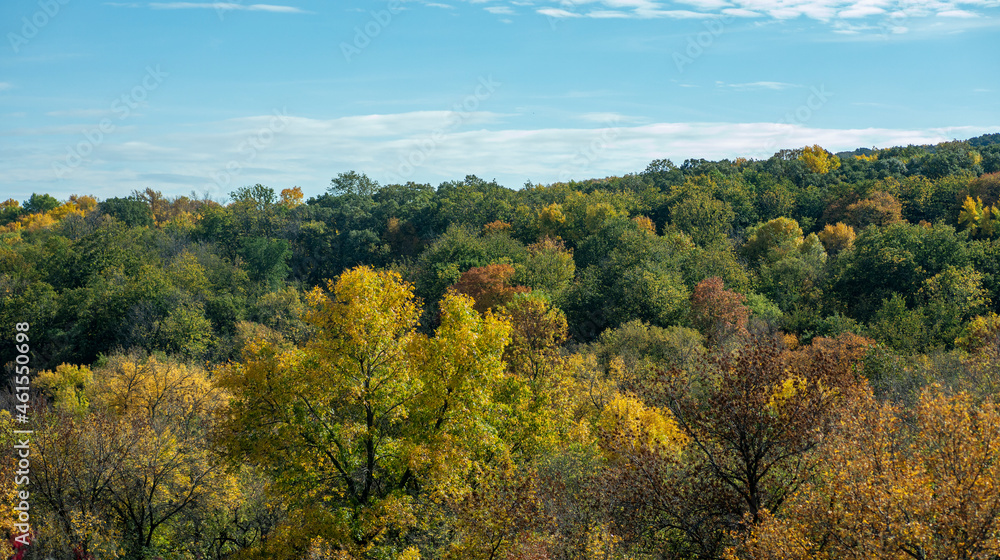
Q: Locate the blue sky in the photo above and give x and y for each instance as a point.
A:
(106, 97)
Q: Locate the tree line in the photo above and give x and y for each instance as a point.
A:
(780, 358)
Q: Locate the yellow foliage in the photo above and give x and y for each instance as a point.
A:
(888, 485)
(783, 392)
(84, 203)
(496, 226)
(653, 428)
(152, 388)
(67, 385)
(818, 160)
(34, 222)
(8, 490)
(596, 215)
(837, 238)
(290, 198)
(978, 218)
(370, 420)
(978, 331)
(645, 224)
(411, 553)
(551, 220)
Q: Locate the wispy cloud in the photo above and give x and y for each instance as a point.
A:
(758, 85)
(608, 118)
(80, 113)
(4, 86)
(557, 13)
(828, 11)
(957, 14)
(504, 10)
(222, 6)
(307, 152)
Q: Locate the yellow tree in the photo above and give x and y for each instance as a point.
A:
(819, 160)
(978, 218)
(369, 418)
(837, 238)
(124, 454)
(924, 485)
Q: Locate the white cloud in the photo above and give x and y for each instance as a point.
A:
(740, 12)
(557, 13)
(505, 10)
(829, 11)
(608, 118)
(758, 85)
(220, 6)
(419, 146)
(860, 12)
(4, 86)
(957, 14)
(80, 113)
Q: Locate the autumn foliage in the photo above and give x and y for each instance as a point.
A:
(790, 357)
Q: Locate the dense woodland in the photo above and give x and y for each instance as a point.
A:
(788, 358)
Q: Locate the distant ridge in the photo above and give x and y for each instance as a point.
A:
(977, 142)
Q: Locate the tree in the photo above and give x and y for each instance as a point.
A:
(549, 267)
(40, 203)
(752, 421)
(952, 297)
(771, 241)
(488, 285)
(121, 462)
(130, 211)
(627, 273)
(705, 218)
(717, 312)
(353, 183)
(837, 238)
(458, 250)
(818, 160)
(896, 485)
(896, 259)
(367, 420)
(290, 198)
(879, 208)
(979, 219)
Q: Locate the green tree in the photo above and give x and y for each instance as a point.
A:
(130, 211)
(353, 183)
(705, 218)
(40, 203)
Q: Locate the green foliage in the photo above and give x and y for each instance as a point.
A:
(459, 249)
(896, 259)
(627, 272)
(392, 417)
(549, 267)
(704, 218)
(353, 183)
(40, 203)
(129, 211)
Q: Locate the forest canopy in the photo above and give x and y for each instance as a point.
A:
(794, 357)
